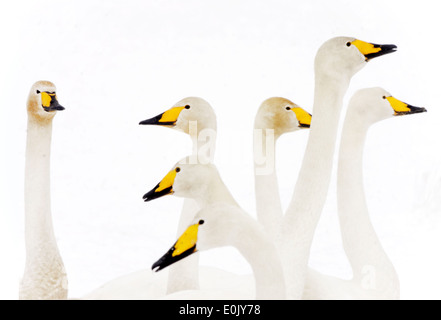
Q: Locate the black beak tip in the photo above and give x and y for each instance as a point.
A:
(385, 49)
(147, 197)
(391, 47)
(388, 48)
(168, 258)
(152, 121)
(54, 108)
(156, 267)
(414, 109)
(164, 261)
(144, 122)
(153, 194)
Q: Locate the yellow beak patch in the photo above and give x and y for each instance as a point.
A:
(187, 240)
(303, 117)
(397, 105)
(171, 115)
(46, 99)
(365, 47)
(163, 188)
(183, 247)
(167, 182)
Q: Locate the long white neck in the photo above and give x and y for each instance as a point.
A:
(312, 185)
(371, 266)
(185, 275)
(268, 204)
(44, 276)
(260, 252)
(216, 192)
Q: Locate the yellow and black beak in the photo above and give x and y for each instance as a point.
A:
(183, 247)
(402, 108)
(372, 50)
(163, 188)
(167, 118)
(304, 118)
(49, 102)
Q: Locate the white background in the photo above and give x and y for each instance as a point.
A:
(118, 62)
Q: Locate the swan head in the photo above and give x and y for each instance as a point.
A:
(282, 115)
(212, 227)
(184, 114)
(345, 56)
(376, 104)
(42, 101)
(185, 179)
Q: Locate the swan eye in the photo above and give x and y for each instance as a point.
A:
(178, 169)
(288, 108)
(384, 97)
(187, 107)
(38, 91)
(348, 44)
(201, 222)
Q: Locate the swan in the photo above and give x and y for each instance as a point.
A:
(44, 274)
(220, 222)
(336, 61)
(275, 117)
(221, 225)
(374, 276)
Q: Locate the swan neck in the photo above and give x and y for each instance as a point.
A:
(268, 205)
(311, 189)
(262, 256)
(315, 174)
(360, 240)
(216, 192)
(328, 94)
(37, 184)
(44, 275)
